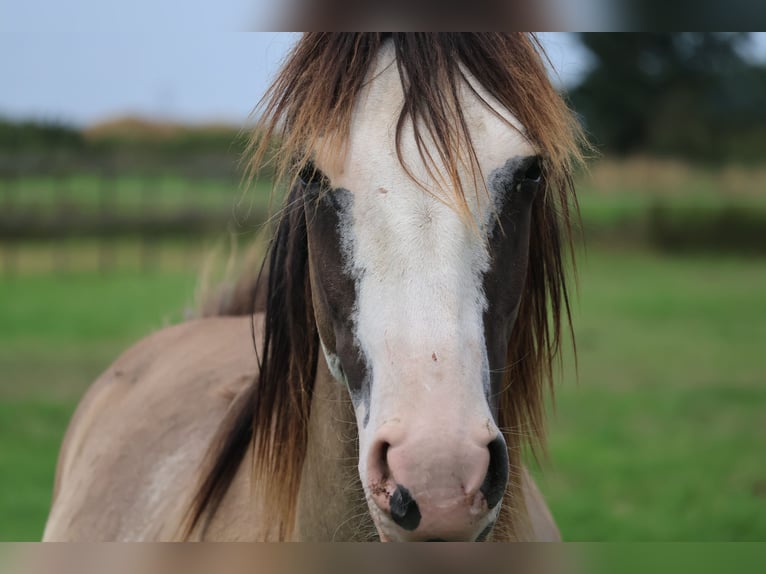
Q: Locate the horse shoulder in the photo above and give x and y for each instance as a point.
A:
(131, 455)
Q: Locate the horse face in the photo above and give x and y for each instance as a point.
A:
(415, 303)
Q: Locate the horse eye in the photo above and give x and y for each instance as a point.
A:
(534, 172)
(311, 175)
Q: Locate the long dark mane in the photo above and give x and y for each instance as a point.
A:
(308, 107)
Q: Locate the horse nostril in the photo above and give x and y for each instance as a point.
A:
(404, 510)
(383, 459)
(496, 480)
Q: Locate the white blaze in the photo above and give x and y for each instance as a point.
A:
(418, 266)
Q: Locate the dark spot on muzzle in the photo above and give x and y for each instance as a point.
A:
(496, 480)
(404, 509)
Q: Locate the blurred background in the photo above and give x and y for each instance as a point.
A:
(120, 180)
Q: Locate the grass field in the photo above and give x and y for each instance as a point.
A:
(662, 438)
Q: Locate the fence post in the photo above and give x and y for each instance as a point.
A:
(106, 196)
(145, 230)
(61, 191)
(10, 259)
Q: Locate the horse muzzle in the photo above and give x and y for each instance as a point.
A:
(436, 487)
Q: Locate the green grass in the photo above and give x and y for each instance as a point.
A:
(30, 433)
(662, 438)
(57, 333)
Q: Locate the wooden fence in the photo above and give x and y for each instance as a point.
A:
(49, 221)
(62, 219)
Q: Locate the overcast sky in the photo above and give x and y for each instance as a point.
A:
(82, 62)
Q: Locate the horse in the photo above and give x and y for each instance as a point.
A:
(413, 305)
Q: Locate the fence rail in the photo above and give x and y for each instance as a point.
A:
(105, 210)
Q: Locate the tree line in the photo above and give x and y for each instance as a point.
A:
(694, 96)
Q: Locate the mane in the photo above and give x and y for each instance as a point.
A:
(308, 108)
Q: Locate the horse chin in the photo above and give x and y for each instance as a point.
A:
(389, 532)
(394, 537)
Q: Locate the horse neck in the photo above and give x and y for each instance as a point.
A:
(331, 502)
